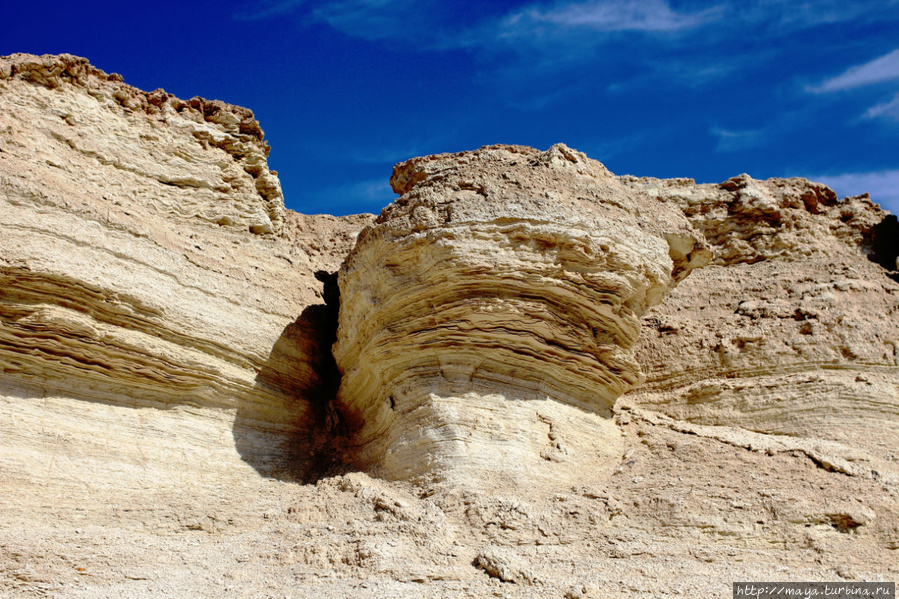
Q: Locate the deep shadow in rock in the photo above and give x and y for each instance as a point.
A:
(289, 430)
(885, 244)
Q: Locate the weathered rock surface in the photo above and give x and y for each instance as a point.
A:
(491, 311)
(791, 330)
(166, 385)
(149, 271)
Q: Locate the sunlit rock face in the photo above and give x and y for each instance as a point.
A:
(158, 305)
(488, 316)
(791, 330)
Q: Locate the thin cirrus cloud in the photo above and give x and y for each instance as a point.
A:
(886, 109)
(438, 24)
(885, 68)
(354, 196)
(882, 185)
(410, 21)
(427, 23)
(608, 15)
(378, 19)
(784, 16)
(268, 9)
(730, 140)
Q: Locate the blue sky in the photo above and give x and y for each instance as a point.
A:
(346, 88)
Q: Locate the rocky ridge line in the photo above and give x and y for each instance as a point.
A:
(213, 123)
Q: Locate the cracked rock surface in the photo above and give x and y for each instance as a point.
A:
(169, 419)
(791, 330)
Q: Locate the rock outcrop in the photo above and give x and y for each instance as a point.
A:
(790, 330)
(491, 311)
(148, 269)
(529, 405)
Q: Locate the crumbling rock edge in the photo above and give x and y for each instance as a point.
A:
(232, 129)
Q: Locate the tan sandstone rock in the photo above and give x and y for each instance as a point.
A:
(168, 424)
(490, 312)
(151, 282)
(791, 329)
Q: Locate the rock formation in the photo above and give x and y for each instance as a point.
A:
(491, 311)
(148, 263)
(546, 380)
(790, 331)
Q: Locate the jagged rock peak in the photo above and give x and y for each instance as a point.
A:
(53, 71)
(749, 220)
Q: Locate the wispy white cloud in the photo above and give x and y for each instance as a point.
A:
(370, 189)
(885, 68)
(607, 15)
(730, 140)
(605, 149)
(785, 16)
(437, 24)
(268, 9)
(888, 110)
(546, 44)
(349, 197)
(883, 186)
(434, 24)
(374, 19)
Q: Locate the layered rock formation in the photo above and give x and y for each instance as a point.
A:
(170, 423)
(790, 330)
(148, 268)
(491, 311)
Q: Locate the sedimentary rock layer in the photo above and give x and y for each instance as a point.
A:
(165, 374)
(792, 328)
(153, 289)
(499, 299)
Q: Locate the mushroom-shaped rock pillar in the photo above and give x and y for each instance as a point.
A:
(487, 317)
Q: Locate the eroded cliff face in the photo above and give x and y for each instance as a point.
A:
(545, 392)
(148, 272)
(491, 311)
(791, 330)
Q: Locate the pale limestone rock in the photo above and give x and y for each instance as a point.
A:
(164, 376)
(157, 305)
(791, 330)
(207, 159)
(487, 317)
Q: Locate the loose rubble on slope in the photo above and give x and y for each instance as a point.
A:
(547, 381)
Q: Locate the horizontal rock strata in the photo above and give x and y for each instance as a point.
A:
(153, 289)
(791, 330)
(166, 379)
(491, 310)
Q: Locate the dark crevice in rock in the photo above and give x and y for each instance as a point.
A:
(331, 295)
(884, 244)
(330, 428)
(298, 441)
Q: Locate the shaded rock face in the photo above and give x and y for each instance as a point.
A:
(885, 244)
(492, 309)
